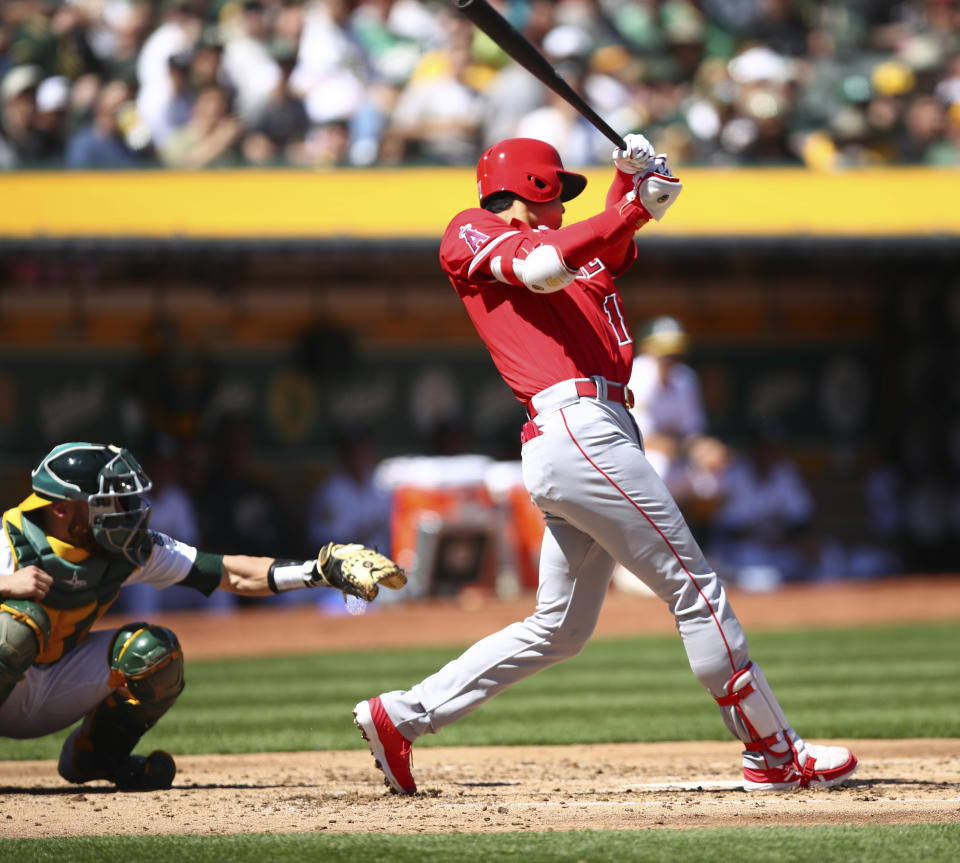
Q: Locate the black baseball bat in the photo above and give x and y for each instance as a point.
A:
(516, 45)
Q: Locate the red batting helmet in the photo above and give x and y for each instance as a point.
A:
(529, 168)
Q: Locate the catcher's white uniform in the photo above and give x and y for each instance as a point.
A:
(54, 696)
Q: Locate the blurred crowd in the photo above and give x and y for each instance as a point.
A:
(93, 84)
(750, 502)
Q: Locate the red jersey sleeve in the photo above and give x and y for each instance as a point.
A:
(608, 236)
(535, 339)
(620, 259)
(622, 183)
(479, 244)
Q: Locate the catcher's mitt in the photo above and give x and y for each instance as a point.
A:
(357, 570)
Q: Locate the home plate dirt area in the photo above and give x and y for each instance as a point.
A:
(487, 789)
(495, 789)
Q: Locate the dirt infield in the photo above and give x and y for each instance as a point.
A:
(491, 789)
(486, 789)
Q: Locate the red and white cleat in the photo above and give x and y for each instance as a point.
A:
(390, 748)
(814, 767)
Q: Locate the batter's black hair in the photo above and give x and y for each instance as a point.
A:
(499, 201)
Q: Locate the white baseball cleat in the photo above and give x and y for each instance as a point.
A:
(815, 766)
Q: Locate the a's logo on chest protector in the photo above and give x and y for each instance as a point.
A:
(75, 582)
(472, 237)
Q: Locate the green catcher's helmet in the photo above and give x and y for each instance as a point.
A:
(112, 483)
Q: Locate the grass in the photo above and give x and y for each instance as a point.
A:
(930, 843)
(887, 682)
(876, 682)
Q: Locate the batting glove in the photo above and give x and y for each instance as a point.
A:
(637, 157)
(660, 166)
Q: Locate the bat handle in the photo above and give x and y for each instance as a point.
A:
(615, 138)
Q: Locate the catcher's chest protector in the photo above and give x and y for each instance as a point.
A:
(81, 592)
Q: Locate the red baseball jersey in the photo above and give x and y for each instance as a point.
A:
(536, 339)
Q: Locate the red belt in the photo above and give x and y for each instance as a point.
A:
(529, 431)
(588, 389)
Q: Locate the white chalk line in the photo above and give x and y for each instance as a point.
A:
(644, 802)
(717, 784)
(760, 798)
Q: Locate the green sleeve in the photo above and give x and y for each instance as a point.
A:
(205, 574)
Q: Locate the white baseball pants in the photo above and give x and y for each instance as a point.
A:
(604, 504)
(52, 697)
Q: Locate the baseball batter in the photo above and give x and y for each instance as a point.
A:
(544, 301)
(66, 552)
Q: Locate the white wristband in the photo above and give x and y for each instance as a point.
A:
(287, 575)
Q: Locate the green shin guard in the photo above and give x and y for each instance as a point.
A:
(146, 669)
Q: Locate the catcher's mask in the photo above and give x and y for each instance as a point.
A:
(529, 168)
(111, 482)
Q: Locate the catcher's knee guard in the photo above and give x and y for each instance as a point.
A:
(146, 672)
(752, 713)
(24, 630)
(146, 665)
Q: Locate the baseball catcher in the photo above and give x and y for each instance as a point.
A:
(67, 551)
